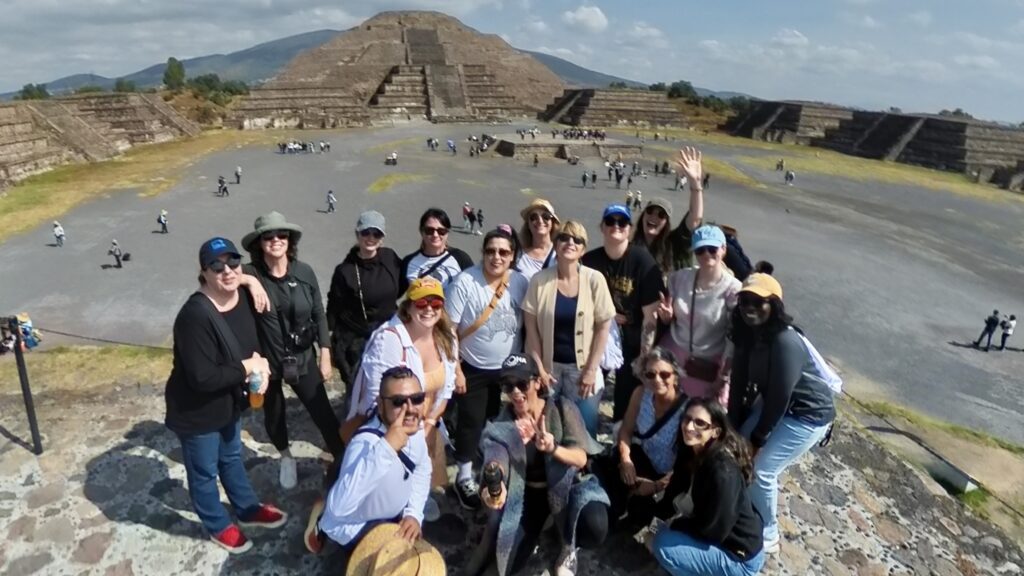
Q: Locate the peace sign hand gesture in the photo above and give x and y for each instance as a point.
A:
(544, 440)
(665, 311)
(689, 164)
(396, 435)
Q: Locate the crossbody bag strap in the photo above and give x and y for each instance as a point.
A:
(407, 462)
(359, 288)
(665, 419)
(499, 291)
(435, 265)
(693, 304)
(551, 254)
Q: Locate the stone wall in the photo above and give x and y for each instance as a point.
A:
(590, 107)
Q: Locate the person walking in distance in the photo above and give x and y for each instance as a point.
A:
(238, 175)
(115, 251)
(991, 323)
(162, 220)
(593, 179)
(480, 221)
(331, 201)
(584, 177)
(58, 233)
(1008, 324)
(466, 211)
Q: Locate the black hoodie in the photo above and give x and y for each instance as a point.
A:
(379, 277)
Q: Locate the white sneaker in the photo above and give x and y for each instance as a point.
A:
(566, 565)
(431, 512)
(289, 476)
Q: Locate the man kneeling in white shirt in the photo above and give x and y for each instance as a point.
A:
(385, 473)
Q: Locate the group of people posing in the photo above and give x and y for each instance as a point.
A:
(506, 361)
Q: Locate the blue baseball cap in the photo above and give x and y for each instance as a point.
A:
(214, 248)
(707, 235)
(616, 210)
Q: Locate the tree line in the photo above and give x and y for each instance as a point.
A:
(685, 90)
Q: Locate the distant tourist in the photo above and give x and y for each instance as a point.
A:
(472, 222)
(536, 160)
(58, 233)
(222, 186)
(162, 221)
(480, 220)
(584, 178)
(331, 201)
(1008, 324)
(238, 175)
(466, 210)
(118, 254)
(991, 323)
(638, 199)
(593, 178)
(707, 180)
(790, 177)
(780, 166)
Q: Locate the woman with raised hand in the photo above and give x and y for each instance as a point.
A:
(671, 246)
(568, 313)
(421, 336)
(216, 353)
(364, 293)
(779, 396)
(640, 465)
(540, 228)
(714, 530)
(434, 259)
(484, 302)
(533, 454)
(698, 310)
(293, 332)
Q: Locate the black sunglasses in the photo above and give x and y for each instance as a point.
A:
(218, 266)
(279, 235)
(747, 300)
(614, 221)
(371, 232)
(565, 237)
(654, 210)
(698, 423)
(712, 250)
(399, 400)
(521, 385)
(430, 231)
(537, 216)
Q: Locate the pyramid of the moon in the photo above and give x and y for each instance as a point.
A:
(402, 65)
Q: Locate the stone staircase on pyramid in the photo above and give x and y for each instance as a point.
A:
(592, 107)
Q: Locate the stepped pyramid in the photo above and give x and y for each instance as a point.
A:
(402, 65)
(593, 107)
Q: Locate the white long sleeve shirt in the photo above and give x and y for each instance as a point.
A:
(375, 484)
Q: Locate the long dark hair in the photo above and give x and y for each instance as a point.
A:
(744, 336)
(729, 441)
(255, 250)
(505, 232)
(660, 247)
(438, 214)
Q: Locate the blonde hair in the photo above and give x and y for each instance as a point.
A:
(443, 332)
(574, 228)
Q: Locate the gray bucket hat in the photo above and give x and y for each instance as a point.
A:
(269, 223)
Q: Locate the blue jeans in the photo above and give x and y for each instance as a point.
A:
(567, 386)
(683, 555)
(790, 439)
(207, 456)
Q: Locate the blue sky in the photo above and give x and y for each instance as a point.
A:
(919, 55)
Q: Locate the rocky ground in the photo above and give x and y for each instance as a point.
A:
(107, 497)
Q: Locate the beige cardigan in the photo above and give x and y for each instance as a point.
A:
(593, 306)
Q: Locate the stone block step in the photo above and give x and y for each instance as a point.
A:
(484, 90)
(25, 144)
(479, 78)
(410, 70)
(415, 79)
(274, 93)
(16, 130)
(493, 101)
(34, 163)
(398, 89)
(398, 100)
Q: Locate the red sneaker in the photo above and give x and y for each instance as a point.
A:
(312, 537)
(232, 540)
(267, 516)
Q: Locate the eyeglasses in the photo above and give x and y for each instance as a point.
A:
(435, 303)
(698, 423)
(492, 252)
(712, 250)
(430, 231)
(538, 216)
(399, 400)
(278, 235)
(613, 221)
(218, 266)
(747, 300)
(564, 237)
(521, 385)
(367, 233)
(665, 375)
(655, 211)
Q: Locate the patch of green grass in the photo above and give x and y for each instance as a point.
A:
(389, 181)
(975, 500)
(719, 169)
(90, 367)
(891, 410)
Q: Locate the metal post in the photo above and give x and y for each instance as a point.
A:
(26, 391)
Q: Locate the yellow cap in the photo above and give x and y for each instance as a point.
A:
(764, 285)
(424, 287)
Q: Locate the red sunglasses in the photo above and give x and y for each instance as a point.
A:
(435, 303)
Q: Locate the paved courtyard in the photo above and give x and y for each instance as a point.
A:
(888, 280)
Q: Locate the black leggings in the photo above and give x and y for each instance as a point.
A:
(480, 403)
(311, 392)
(641, 509)
(591, 526)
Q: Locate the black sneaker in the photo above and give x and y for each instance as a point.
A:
(468, 492)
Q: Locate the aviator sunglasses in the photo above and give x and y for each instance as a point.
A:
(664, 375)
(538, 216)
(503, 252)
(435, 303)
(564, 237)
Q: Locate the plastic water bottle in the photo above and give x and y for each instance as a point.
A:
(255, 383)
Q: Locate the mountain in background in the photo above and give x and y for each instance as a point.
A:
(261, 62)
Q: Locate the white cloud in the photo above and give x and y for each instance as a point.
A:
(790, 37)
(922, 18)
(981, 61)
(642, 36)
(560, 52)
(861, 20)
(537, 26)
(589, 18)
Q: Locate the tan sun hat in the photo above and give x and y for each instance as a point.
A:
(382, 553)
(538, 203)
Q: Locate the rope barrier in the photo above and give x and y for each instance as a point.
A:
(45, 330)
